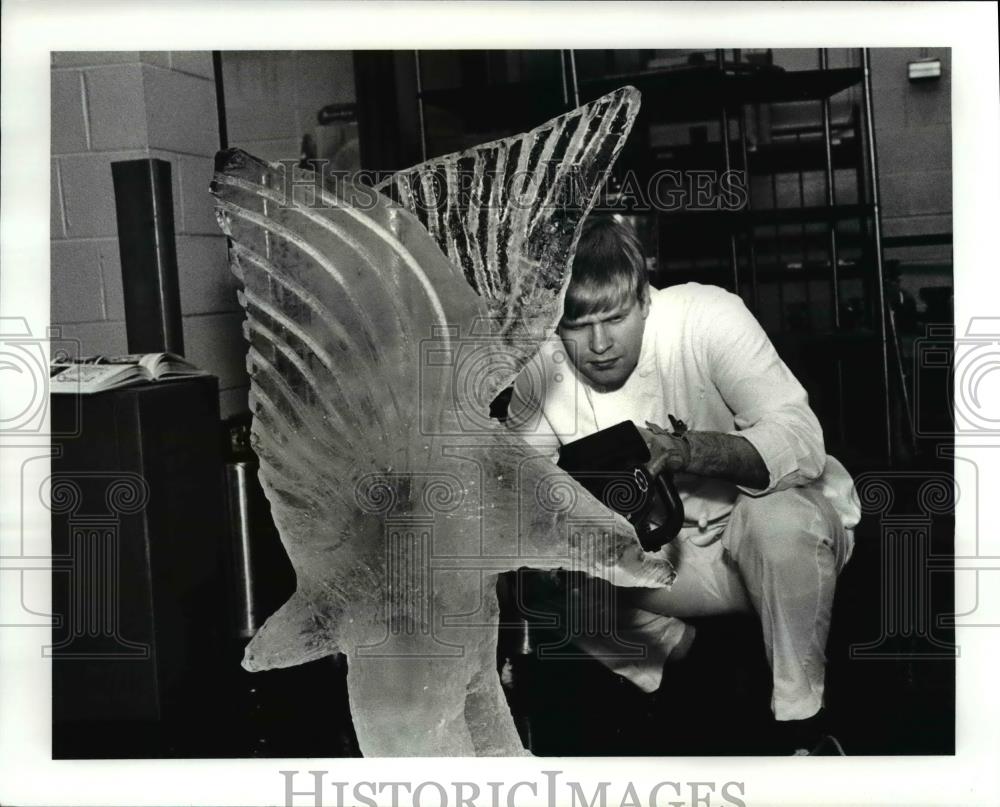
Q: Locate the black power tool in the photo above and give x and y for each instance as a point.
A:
(612, 465)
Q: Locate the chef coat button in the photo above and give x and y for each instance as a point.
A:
(702, 523)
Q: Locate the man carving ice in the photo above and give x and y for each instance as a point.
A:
(768, 515)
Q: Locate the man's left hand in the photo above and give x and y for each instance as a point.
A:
(710, 454)
(667, 451)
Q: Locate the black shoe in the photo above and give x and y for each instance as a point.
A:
(801, 737)
(828, 746)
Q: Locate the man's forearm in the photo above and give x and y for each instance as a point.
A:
(726, 456)
(710, 454)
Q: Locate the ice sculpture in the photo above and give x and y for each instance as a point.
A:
(377, 328)
(506, 214)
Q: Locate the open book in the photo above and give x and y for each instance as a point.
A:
(100, 373)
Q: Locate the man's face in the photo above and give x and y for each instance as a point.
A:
(604, 347)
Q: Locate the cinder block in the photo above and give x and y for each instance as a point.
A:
(69, 128)
(915, 194)
(929, 102)
(117, 108)
(924, 254)
(86, 58)
(233, 401)
(75, 280)
(180, 112)
(56, 226)
(889, 66)
(917, 225)
(90, 338)
(215, 343)
(196, 203)
(88, 193)
(206, 284)
(195, 62)
(889, 111)
(925, 148)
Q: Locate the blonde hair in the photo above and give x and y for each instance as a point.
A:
(609, 268)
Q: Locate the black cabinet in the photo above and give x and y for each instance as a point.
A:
(139, 585)
(149, 623)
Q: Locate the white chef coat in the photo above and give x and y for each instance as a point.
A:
(705, 360)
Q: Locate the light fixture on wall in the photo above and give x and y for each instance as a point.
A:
(924, 70)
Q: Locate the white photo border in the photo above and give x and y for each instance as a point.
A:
(32, 29)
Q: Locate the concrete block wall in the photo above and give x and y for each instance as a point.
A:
(913, 133)
(110, 106)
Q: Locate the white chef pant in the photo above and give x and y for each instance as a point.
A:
(779, 556)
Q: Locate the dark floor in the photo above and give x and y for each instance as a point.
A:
(890, 677)
(890, 674)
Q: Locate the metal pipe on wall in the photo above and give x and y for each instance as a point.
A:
(831, 201)
(420, 106)
(720, 60)
(866, 87)
(751, 234)
(220, 99)
(562, 71)
(573, 78)
(831, 197)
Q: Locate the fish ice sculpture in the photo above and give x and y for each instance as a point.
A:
(378, 325)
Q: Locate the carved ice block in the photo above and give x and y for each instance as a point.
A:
(397, 500)
(508, 213)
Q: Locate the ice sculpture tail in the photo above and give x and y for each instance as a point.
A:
(508, 213)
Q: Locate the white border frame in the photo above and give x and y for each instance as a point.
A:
(32, 29)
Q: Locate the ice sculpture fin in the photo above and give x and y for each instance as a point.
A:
(294, 634)
(508, 214)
